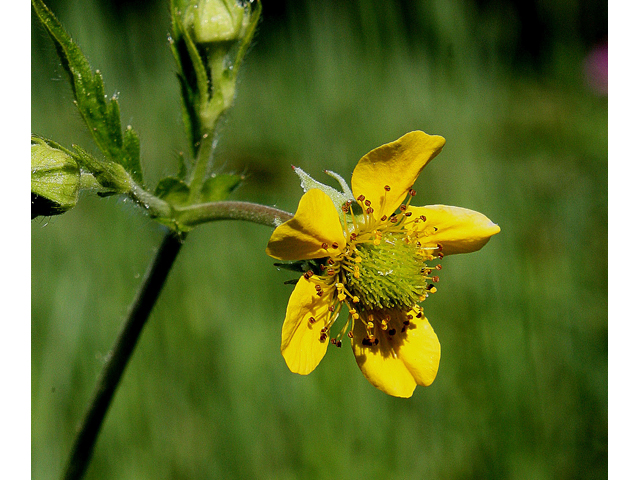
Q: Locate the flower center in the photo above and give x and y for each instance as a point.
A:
(389, 274)
(381, 274)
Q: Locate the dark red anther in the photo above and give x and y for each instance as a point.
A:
(369, 210)
(325, 245)
(367, 203)
(312, 320)
(436, 279)
(387, 188)
(384, 218)
(408, 214)
(412, 192)
(360, 198)
(423, 218)
(403, 207)
(323, 337)
(334, 245)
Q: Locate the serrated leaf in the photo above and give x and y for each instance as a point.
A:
(173, 190)
(219, 187)
(102, 117)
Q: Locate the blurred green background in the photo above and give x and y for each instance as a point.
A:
(522, 387)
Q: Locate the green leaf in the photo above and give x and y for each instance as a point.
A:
(219, 187)
(102, 117)
(173, 190)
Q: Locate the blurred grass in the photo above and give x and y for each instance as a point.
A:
(522, 387)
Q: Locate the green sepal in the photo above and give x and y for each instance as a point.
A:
(307, 182)
(109, 175)
(173, 190)
(102, 117)
(192, 74)
(219, 187)
(303, 266)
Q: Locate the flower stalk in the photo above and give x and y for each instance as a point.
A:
(119, 356)
(138, 315)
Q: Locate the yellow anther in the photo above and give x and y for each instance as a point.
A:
(355, 299)
(342, 297)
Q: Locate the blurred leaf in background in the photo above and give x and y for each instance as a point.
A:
(522, 386)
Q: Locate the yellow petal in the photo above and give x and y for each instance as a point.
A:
(301, 346)
(419, 350)
(396, 164)
(458, 230)
(381, 365)
(315, 223)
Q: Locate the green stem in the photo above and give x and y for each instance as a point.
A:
(120, 354)
(139, 312)
(251, 212)
(202, 167)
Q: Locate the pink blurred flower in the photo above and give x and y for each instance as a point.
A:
(596, 69)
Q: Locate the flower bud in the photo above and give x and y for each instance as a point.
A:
(218, 20)
(211, 38)
(55, 181)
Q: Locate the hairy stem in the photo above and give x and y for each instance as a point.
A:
(120, 354)
(139, 312)
(231, 210)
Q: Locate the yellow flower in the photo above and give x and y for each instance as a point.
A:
(374, 258)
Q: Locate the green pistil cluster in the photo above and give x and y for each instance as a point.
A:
(390, 275)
